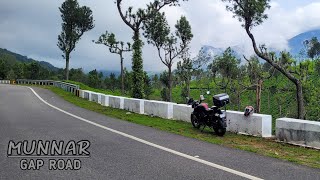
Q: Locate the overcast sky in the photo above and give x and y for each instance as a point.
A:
(31, 27)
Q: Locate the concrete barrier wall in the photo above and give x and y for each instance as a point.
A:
(4, 81)
(81, 93)
(116, 102)
(96, 97)
(134, 105)
(87, 95)
(255, 125)
(182, 112)
(159, 109)
(299, 132)
(105, 100)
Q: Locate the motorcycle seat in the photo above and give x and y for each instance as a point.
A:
(206, 107)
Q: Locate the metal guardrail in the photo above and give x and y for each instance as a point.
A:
(63, 85)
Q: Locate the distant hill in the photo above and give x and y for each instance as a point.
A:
(25, 59)
(296, 43)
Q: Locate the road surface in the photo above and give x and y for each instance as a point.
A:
(120, 149)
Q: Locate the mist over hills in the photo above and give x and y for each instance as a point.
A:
(296, 45)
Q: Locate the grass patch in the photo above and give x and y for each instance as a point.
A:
(299, 155)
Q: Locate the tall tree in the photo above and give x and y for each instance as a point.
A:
(252, 13)
(257, 75)
(224, 69)
(117, 47)
(184, 71)
(134, 21)
(76, 21)
(313, 47)
(157, 31)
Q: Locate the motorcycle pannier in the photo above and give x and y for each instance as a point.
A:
(221, 100)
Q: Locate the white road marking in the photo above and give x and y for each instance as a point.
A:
(217, 166)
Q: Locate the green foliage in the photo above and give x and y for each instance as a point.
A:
(11, 68)
(225, 67)
(11, 75)
(249, 12)
(137, 69)
(185, 72)
(313, 47)
(95, 79)
(148, 90)
(78, 75)
(76, 21)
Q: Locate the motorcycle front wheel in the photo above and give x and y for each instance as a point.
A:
(220, 131)
(195, 121)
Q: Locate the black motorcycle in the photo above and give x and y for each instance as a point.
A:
(212, 117)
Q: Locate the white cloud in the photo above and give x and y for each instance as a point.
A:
(31, 28)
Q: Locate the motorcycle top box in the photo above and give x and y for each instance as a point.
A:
(221, 100)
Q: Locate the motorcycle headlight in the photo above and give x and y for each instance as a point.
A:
(222, 115)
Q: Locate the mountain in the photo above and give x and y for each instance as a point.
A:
(211, 51)
(25, 59)
(296, 43)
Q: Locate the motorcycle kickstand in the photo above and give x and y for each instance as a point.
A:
(203, 128)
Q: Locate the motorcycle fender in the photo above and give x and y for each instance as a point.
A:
(223, 122)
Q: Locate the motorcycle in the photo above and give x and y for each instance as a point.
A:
(212, 117)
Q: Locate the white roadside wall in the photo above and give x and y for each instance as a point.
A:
(159, 109)
(182, 112)
(255, 125)
(116, 102)
(97, 97)
(4, 81)
(134, 105)
(105, 100)
(299, 132)
(87, 95)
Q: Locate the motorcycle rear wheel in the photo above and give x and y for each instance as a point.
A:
(195, 121)
(220, 131)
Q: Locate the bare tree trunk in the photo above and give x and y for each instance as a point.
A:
(258, 96)
(239, 101)
(188, 88)
(67, 66)
(280, 110)
(301, 108)
(269, 101)
(122, 74)
(170, 83)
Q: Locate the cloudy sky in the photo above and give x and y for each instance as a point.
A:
(31, 27)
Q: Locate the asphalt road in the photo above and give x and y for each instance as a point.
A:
(120, 149)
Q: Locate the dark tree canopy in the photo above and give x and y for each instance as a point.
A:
(250, 12)
(76, 20)
(313, 47)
